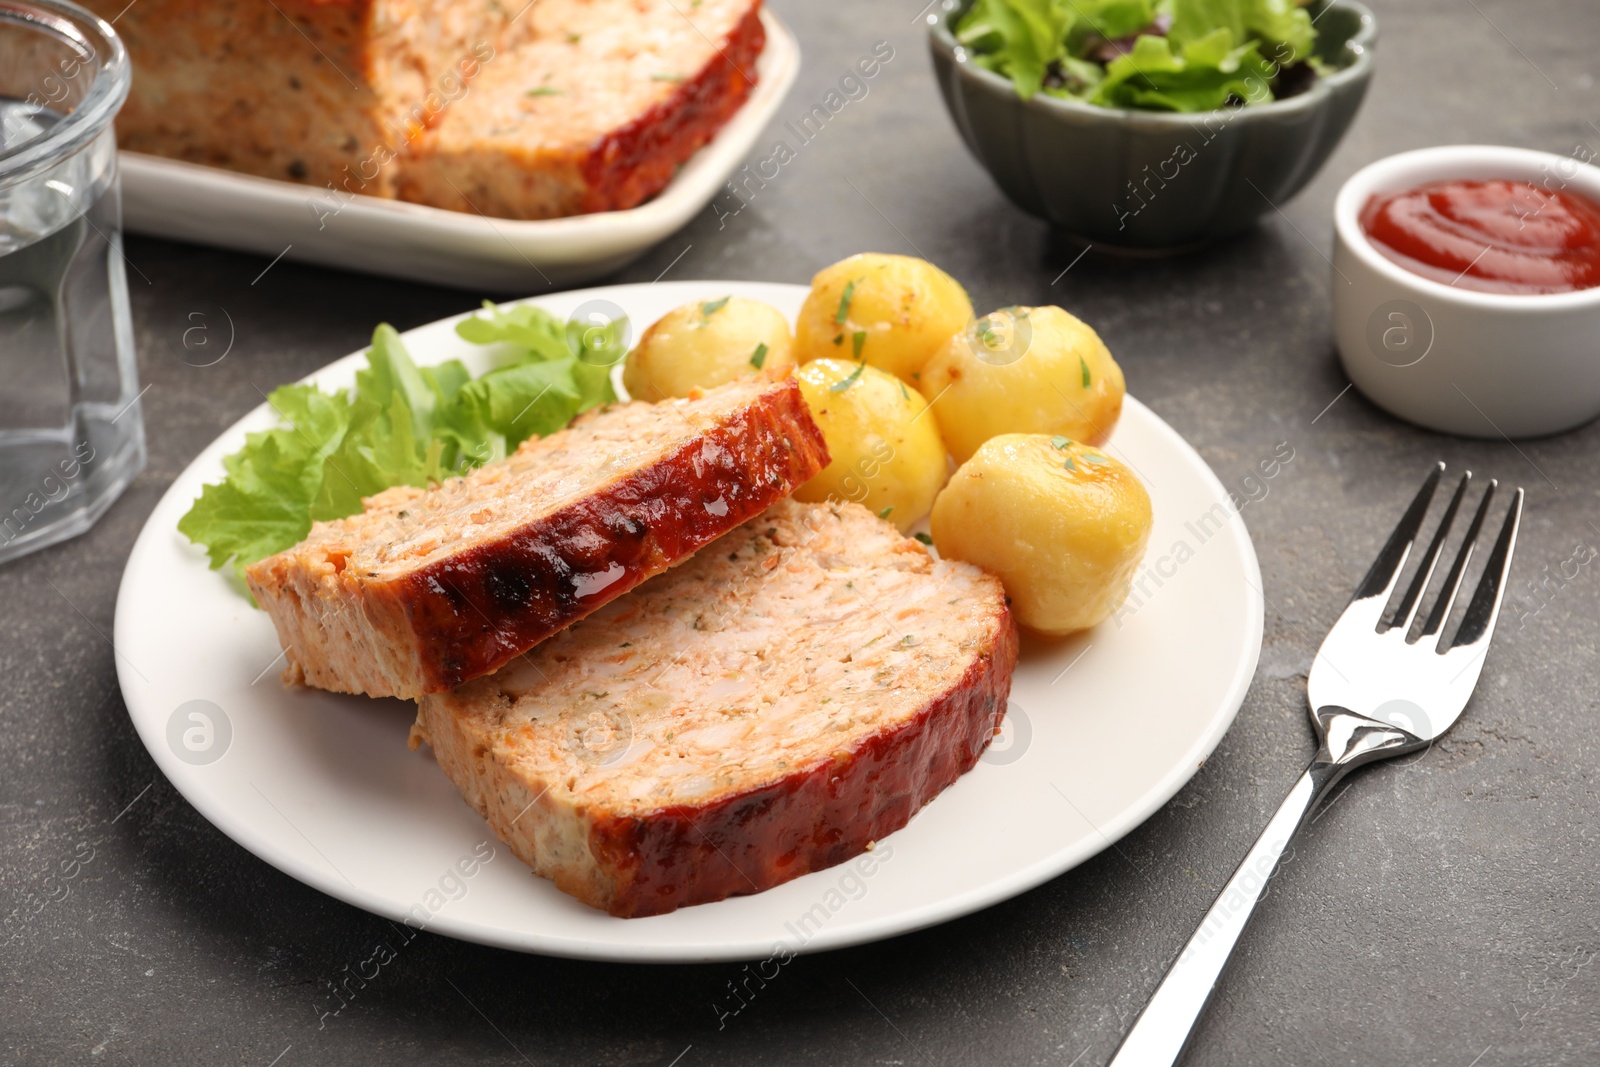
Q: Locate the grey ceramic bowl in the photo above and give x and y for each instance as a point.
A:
(1150, 180)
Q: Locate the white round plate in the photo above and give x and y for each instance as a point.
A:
(1102, 730)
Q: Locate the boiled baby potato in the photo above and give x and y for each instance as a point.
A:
(1062, 524)
(892, 311)
(1023, 370)
(887, 454)
(708, 343)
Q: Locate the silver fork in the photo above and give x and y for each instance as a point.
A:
(1374, 693)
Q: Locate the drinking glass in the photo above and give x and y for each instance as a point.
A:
(71, 434)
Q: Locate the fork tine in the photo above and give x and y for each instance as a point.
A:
(1458, 570)
(1478, 621)
(1406, 612)
(1380, 579)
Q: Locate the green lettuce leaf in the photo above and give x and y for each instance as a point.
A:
(536, 332)
(465, 438)
(262, 506)
(1194, 19)
(554, 372)
(391, 373)
(594, 384)
(401, 425)
(1202, 77)
(528, 400)
(1018, 38)
(380, 450)
(1284, 28)
(1108, 20)
(1209, 52)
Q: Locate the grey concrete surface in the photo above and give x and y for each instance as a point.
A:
(1443, 912)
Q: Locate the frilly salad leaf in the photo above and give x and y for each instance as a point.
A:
(1018, 38)
(1161, 55)
(401, 425)
(1202, 76)
(1285, 28)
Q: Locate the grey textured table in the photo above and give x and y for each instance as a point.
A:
(1464, 933)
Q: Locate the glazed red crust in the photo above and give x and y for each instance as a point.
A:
(465, 611)
(475, 611)
(634, 162)
(813, 819)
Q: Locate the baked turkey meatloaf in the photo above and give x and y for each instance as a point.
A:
(796, 691)
(523, 110)
(426, 589)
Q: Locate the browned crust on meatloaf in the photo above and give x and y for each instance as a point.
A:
(811, 820)
(601, 832)
(466, 614)
(636, 161)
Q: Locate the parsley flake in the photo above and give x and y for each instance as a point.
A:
(924, 538)
(841, 386)
(986, 330)
(844, 302)
(1060, 442)
(759, 356)
(711, 307)
(1095, 458)
(544, 90)
(1069, 465)
(1085, 367)
(884, 514)
(857, 341)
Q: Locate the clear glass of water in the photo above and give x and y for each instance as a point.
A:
(71, 435)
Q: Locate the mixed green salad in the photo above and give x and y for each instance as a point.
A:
(1156, 55)
(401, 425)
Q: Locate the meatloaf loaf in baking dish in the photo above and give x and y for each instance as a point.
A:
(426, 589)
(523, 110)
(796, 691)
(327, 92)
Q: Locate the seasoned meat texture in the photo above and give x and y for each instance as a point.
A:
(796, 691)
(519, 110)
(594, 111)
(328, 92)
(426, 589)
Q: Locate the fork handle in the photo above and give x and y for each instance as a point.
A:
(1163, 1028)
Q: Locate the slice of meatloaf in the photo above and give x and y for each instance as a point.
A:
(595, 110)
(426, 589)
(793, 693)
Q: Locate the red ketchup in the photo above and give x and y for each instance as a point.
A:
(1493, 236)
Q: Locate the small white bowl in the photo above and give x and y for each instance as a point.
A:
(1458, 360)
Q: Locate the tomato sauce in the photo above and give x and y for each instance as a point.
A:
(1492, 236)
